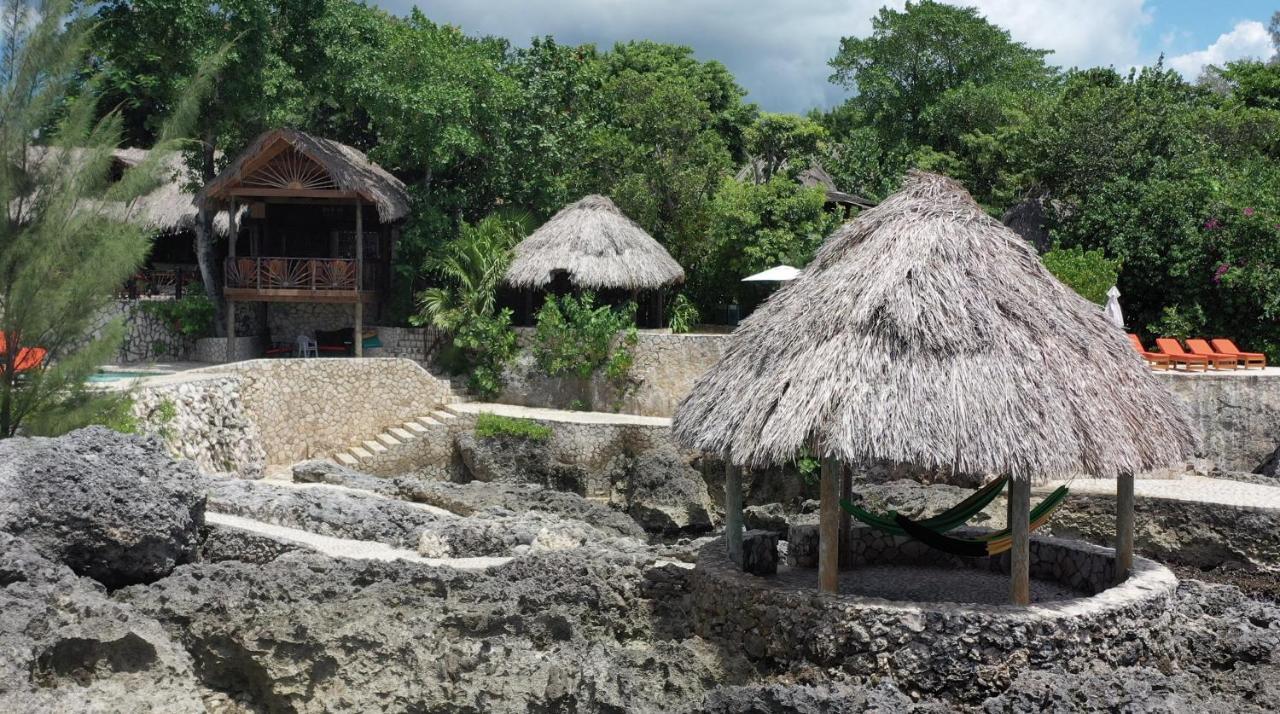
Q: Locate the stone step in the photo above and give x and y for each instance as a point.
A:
(346, 459)
(388, 440)
(451, 410)
(401, 434)
(442, 416)
(415, 427)
(374, 447)
(428, 422)
(360, 453)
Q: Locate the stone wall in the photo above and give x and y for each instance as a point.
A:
(204, 419)
(964, 651)
(213, 350)
(1238, 414)
(310, 408)
(287, 320)
(664, 370)
(146, 337)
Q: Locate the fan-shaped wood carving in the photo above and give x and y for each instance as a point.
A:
(291, 169)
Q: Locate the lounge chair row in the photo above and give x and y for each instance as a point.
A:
(1199, 356)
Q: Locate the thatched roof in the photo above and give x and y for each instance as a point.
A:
(598, 247)
(347, 168)
(924, 332)
(166, 210)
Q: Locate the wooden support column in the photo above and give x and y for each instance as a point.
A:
(829, 526)
(1124, 526)
(733, 511)
(358, 336)
(233, 233)
(1020, 555)
(846, 521)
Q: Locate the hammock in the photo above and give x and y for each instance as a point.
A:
(990, 544)
(949, 519)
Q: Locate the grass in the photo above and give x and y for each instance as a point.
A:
(492, 425)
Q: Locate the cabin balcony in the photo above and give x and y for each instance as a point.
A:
(281, 279)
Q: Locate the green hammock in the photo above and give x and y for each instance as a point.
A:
(949, 519)
(989, 544)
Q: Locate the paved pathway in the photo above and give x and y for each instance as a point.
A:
(562, 415)
(1235, 494)
(346, 547)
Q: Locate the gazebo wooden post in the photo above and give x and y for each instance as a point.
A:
(233, 232)
(1020, 555)
(846, 521)
(1124, 526)
(829, 526)
(358, 336)
(733, 511)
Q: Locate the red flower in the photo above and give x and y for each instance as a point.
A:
(1248, 211)
(1221, 271)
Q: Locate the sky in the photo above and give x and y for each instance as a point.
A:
(778, 49)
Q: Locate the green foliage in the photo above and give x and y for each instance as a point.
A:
(69, 234)
(778, 140)
(83, 407)
(192, 316)
(682, 315)
(489, 426)
(488, 344)
(575, 336)
(1088, 272)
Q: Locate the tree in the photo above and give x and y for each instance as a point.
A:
(68, 238)
(778, 141)
(916, 56)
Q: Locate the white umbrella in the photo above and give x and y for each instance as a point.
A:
(1112, 310)
(779, 274)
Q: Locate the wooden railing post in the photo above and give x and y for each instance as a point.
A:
(177, 284)
(829, 526)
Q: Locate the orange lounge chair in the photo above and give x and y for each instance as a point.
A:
(1189, 362)
(1217, 359)
(1250, 359)
(1155, 359)
(27, 357)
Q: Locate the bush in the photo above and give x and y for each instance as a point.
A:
(683, 314)
(86, 407)
(489, 426)
(574, 336)
(1088, 272)
(192, 316)
(488, 344)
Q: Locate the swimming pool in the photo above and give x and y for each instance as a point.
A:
(122, 374)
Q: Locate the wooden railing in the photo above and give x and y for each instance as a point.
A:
(159, 283)
(268, 273)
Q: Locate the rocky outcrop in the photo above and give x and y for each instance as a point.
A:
(518, 460)
(665, 494)
(204, 420)
(114, 508)
(565, 631)
(68, 648)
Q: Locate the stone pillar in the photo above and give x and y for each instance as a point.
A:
(733, 511)
(1124, 527)
(1020, 555)
(829, 526)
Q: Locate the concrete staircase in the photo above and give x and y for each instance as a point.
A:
(423, 442)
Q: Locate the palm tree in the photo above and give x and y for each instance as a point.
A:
(472, 268)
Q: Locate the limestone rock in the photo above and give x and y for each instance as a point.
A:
(67, 647)
(516, 460)
(769, 517)
(114, 508)
(665, 494)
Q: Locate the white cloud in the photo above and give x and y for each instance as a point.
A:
(778, 49)
(1248, 39)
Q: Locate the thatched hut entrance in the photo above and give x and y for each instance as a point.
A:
(927, 334)
(592, 245)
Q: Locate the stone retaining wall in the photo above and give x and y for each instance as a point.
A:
(204, 420)
(1238, 414)
(664, 370)
(213, 350)
(968, 652)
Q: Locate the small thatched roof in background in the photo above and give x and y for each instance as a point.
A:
(598, 247)
(1028, 219)
(347, 168)
(166, 210)
(926, 333)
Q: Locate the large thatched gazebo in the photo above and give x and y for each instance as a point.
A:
(926, 333)
(592, 245)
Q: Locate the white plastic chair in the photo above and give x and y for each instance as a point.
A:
(307, 347)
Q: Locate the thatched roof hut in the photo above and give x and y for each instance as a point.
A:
(597, 247)
(344, 168)
(925, 332)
